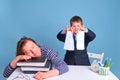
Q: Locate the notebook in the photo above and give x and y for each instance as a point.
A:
(47, 67)
(39, 61)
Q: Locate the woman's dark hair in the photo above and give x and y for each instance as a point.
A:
(21, 43)
(76, 19)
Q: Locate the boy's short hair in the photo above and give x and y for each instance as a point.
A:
(76, 19)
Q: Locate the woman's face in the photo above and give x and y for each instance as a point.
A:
(76, 26)
(31, 49)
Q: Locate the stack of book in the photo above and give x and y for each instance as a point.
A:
(35, 64)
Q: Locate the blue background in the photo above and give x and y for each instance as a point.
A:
(43, 19)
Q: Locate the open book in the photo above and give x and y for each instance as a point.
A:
(47, 67)
(39, 61)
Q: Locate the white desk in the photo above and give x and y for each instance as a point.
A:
(74, 73)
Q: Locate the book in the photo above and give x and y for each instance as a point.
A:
(47, 67)
(39, 61)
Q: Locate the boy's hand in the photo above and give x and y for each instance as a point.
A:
(69, 28)
(82, 28)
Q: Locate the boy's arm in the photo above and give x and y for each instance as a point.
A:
(89, 35)
(61, 36)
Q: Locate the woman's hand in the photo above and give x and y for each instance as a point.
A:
(23, 57)
(43, 75)
(40, 75)
(13, 64)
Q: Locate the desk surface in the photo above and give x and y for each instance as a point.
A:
(74, 73)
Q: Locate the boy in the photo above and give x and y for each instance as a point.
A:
(76, 55)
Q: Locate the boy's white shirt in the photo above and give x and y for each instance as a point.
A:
(69, 41)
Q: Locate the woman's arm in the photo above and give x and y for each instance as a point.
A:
(60, 67)
(57, 62)
(10, 67)
(8, 71)
(43, 75)
(13, 65)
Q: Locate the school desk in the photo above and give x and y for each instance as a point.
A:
(74, 73)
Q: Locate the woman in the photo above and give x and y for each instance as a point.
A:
(27, 48)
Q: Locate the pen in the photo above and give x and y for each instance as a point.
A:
(106, 62)
(100, 64)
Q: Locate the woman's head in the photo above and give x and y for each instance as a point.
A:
(27, 46)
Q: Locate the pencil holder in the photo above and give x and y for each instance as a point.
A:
(103, 70)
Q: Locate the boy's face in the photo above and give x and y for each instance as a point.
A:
(76, 26)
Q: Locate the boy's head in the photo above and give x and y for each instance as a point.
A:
(76, 24)
(76, 19)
